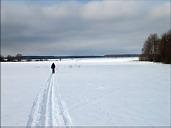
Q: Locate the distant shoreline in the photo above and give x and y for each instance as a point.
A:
(73, 57)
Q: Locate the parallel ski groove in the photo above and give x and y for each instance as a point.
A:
(48, 108)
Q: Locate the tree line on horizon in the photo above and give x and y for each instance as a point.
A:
(10, 58)
(157, 49)
(19, 58)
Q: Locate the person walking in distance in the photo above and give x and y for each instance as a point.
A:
(53, 68)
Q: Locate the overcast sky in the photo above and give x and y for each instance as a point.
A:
(80, 27)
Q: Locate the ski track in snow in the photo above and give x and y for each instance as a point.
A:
(48, 109)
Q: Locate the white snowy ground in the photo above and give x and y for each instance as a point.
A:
(85, 92)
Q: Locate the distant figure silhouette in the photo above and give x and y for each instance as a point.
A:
(53, 68)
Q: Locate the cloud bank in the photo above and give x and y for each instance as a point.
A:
(74, 28)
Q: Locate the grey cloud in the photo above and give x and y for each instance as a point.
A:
(71, 28)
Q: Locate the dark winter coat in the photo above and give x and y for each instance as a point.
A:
(53, 66)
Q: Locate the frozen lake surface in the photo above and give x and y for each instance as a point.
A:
(85, 92)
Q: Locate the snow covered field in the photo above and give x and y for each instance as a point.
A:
(85, 92)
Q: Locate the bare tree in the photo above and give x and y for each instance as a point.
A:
(164, 47)
(18, 57)
(149, 49)
(10, 58)
(1, 58)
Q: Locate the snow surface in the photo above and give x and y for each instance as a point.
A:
(85, 92)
